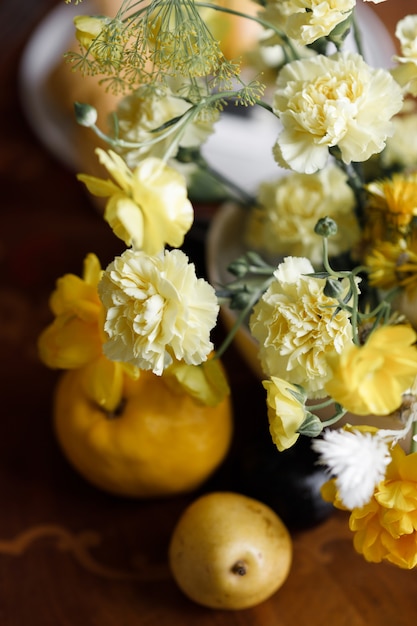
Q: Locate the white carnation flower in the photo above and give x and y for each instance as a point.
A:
(324, 102)
(157, 310)
(358, 460)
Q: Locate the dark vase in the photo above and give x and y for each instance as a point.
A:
(289, 482)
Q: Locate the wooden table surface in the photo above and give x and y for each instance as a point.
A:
(71, 555)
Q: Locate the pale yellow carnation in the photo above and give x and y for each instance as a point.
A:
(309, 20)
(147, 207)
(283, 222)
(406, 72)
(142, 112)
(297, 327)
(400, 151)
(157, 310)
(325, 102)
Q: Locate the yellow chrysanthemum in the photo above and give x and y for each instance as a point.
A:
(372, 378)
(395, 200)
(392, 265)
(147, 207)
(386, 528)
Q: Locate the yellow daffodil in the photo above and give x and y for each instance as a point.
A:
(372, 378)
(286, 411)
(147, 207)
(392, 265)
(74, 338)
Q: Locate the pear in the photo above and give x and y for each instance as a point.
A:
(228, 551)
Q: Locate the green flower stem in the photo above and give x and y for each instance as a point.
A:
(241, 318)
(287, 41)
(336, 417)
(354, 309)
(413, 447)
(320, 405)
(357, 34)
(247, 198)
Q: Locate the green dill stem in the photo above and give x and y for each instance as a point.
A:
(247, 198)
(354, 289)
(254, 18)
(265, 106)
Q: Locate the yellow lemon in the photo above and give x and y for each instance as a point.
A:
(158, 442)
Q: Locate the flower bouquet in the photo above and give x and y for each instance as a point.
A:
(327, 284)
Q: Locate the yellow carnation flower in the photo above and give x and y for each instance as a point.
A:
(147, 207)
(286, 411)
(372, 378)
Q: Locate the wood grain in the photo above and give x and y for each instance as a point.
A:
(71, 555)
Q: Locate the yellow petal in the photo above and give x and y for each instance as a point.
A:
(103, 383)
(69, 343)
(205, 383)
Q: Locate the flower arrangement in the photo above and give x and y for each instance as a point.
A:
(328, 286)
